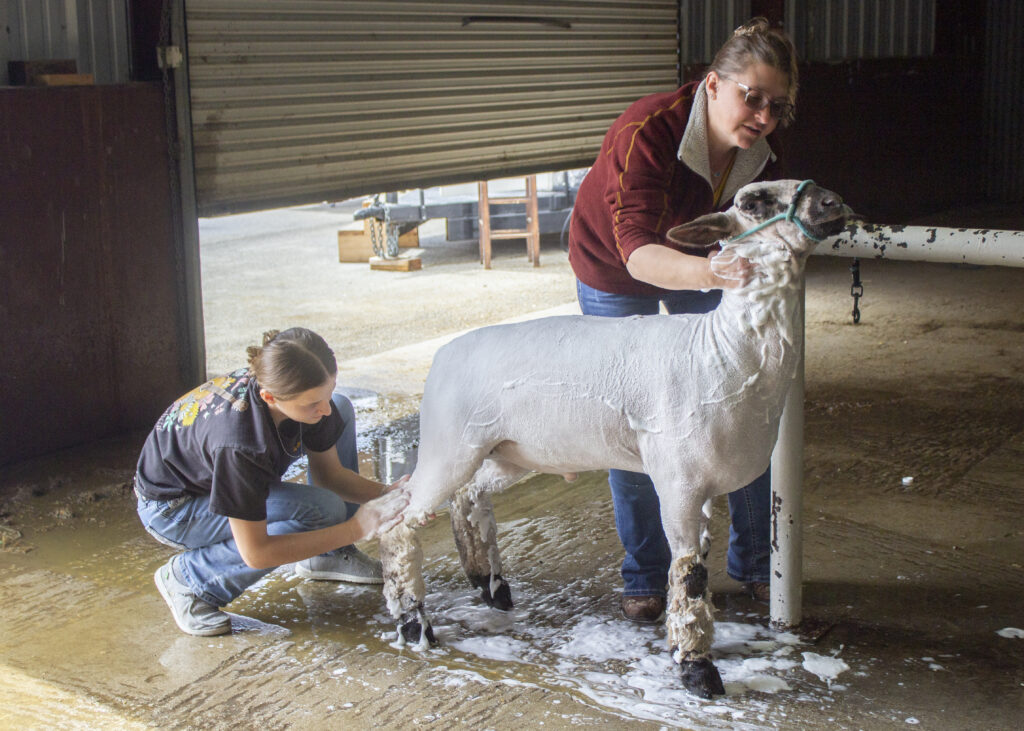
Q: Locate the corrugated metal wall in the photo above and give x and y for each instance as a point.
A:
(837, 30)
(1004, 101)
(302, 100)
(823, 30)
(707, 24)
(94, 32)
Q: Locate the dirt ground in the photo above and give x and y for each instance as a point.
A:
(918, 588)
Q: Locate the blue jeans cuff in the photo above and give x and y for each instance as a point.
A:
(645, 592)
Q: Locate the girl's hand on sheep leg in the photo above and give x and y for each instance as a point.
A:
(382, 514)
(399, 484)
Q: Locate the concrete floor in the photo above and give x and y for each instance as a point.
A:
(918, 589)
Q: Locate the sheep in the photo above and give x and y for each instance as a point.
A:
(692, 400)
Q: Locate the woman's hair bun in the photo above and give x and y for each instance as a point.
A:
(754, 26)
(253, 352)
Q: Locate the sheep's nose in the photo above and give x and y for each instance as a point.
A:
(828, 206)
(829, 201)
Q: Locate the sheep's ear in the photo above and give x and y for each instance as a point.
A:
(702, 233)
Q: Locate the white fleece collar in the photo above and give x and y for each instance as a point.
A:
(693, 150)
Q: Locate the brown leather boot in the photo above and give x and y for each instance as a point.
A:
(759, 591)
(643, 609)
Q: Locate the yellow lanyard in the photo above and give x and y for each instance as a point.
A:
(721, 183)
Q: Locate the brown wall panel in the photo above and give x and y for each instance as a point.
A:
(90, 318)
(898, 139)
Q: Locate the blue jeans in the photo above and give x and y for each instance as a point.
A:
(637, 510)
(211, 564)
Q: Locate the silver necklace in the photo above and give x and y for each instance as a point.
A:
(280, 441)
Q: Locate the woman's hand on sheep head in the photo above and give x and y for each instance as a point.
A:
(730, 269)
(382, 514)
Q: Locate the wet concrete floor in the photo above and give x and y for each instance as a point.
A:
(913, 593)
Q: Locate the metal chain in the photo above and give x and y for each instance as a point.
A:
(377, 231)
(392, 246)
(383, 233)
(375, 236)
(856, 289)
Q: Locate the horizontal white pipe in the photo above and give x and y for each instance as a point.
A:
(980, 246)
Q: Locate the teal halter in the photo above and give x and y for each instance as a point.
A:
(789, 215)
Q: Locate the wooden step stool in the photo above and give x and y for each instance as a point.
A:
(531, 233)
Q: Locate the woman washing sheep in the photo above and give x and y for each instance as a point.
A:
(668, 159)
(209, 482)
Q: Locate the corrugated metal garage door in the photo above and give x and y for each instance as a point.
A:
(295, 101)
(833, 30)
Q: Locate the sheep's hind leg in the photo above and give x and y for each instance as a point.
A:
(475, 532)
(474, 528)
(402, 561)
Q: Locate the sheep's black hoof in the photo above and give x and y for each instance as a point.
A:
(412, 629)
(502, 597)
(701, 678)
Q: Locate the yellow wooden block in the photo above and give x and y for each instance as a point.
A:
(410, 239)
(356, 245)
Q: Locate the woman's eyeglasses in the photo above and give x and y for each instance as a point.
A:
(757, 101)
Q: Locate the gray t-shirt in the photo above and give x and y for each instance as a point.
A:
(220, 440)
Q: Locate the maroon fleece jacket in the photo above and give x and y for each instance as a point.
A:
(637, 190)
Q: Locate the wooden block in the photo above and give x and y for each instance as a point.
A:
(401, 264)
(354, 246)
(410, 239)
(26, 73)
(64, 80)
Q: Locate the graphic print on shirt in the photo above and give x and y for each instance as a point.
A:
(209, 399)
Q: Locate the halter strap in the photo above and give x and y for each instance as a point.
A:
(789, 215)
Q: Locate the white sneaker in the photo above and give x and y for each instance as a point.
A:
(345, 564)
(192, 615)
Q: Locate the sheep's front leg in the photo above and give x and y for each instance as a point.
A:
(690, 615)
(402, 561)
(691, 625)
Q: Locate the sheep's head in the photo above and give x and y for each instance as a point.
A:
(794, 215)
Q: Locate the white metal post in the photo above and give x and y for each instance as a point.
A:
(787, 496)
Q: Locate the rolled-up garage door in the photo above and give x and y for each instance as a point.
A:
(298, 101)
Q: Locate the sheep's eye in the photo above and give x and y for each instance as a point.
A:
(749, 204)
